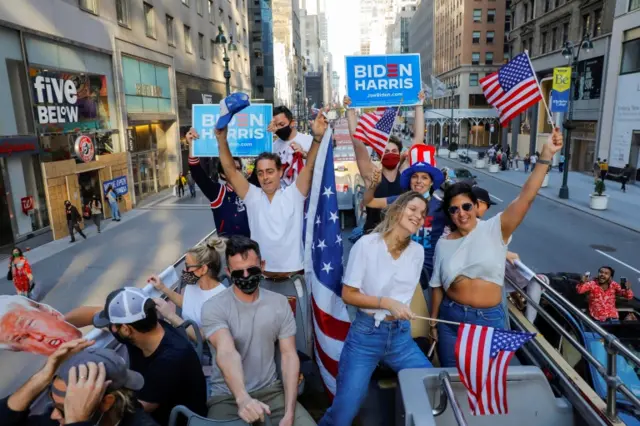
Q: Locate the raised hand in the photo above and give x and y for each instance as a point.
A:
(157, 283)
(554, 143)
(85, 388)
(421, 96)
(346, 101)
(319, 126)
(191, 135)
(63, 353)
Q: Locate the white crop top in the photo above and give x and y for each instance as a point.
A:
(376, 273)
(480, 254)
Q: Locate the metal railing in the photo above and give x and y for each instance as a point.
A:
(447, 395)
(613, 345)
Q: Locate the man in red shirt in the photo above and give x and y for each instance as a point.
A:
(602, 294)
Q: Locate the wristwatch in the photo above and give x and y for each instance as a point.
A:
(547, 162)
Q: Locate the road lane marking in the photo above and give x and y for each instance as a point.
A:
(495, 198)
(619, 261)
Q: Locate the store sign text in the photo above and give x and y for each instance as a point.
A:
(56, 91)
(148, 90)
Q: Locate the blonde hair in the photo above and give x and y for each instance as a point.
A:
(393, 213)
(209, 254)
(125, 402)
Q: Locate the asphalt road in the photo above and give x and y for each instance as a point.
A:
(557, 238)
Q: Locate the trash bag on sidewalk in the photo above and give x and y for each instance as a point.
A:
(175, 191)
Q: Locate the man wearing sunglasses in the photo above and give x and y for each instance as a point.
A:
(229, 211)
(242, 325)
(86, 387)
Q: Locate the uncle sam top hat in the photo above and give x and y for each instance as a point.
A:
(231, 105)
(421, 159)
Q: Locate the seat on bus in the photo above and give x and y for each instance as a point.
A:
(195, 420)
(530, 399)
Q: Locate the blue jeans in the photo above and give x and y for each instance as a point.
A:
(115, 211)
(365, 347)
(448, 334)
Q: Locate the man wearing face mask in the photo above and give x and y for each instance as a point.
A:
(290, 145)
(73, 220)
(165, 359)
(389, 184)
(242, 324)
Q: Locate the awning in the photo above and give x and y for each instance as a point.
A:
(150, 116)
(475, 114)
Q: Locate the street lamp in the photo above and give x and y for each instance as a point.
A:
(571, 52)
(453, 88)
(222, 40)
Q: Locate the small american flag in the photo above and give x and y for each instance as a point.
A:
(483, 355)
(512, 89)
(374, 128)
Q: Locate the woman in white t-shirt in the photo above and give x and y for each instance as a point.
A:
(202, 267)
(382, 274)
(469, 263)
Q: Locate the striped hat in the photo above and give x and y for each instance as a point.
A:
(422, 158)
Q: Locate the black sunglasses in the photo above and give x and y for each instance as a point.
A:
(466, 207)
(240, 273)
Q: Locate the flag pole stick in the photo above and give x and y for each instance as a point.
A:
(437, 320)
(546, 107)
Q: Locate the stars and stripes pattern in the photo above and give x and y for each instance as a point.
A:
(512, 89)
(374, 128)
(483, 355)
(323, 266)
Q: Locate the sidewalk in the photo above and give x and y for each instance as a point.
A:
(623, 207)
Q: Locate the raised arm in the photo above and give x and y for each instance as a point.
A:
(363, 160)
(418, 123)
(237, 180)
(516, 211)
(627, 293)
(209, 187)
(318, 128)
(583, 287)
(82, 316)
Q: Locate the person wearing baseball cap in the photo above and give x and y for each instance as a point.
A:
(87, 386)
(484, 200)
(424, 177)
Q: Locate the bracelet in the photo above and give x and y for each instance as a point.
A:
(546, 162)
(317, 141)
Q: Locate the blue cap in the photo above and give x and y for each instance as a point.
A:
(231, 105)
(436, 175)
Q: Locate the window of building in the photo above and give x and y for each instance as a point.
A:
(245, 39)
(547, 5)
(89, 5)
(477, 101)
(488, 58)
(473, 79)
(122, 12)
(188, 42)
(491, 16)
(476, 37)
(210, 10)
(526, 12)
(171, 37)
(185, 2)
(507, 57)
(630, 54)
(634, 4)
(201, 45)
(475, 58)
(565, 33)
(200, 7)
(477, 15)
(490, 36)
(543, 36)
(597, 23)
(554, 39)
(586, 24)
(525, 45)
(212, 47)
(149, 20)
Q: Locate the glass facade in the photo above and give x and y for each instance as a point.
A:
(147, 87)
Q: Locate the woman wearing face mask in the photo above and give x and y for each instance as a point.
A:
(201, 270)
(469, 263)
(96, 211)
(424, 178)
(391, 165)
(20, 273)
(382, 274)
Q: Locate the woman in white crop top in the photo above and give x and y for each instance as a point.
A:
(382, 274)
(469, 263)
(202, 267)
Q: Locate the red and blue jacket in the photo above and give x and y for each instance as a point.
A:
(229, 211)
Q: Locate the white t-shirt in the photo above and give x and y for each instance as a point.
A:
(277, 227)
(480, 254)
(285, 152)
(376, 273)
(193, 299)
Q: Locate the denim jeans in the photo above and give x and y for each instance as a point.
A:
(448, 334)
(365, 347)
(115, 211)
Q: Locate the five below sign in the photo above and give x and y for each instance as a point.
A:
(56, 91)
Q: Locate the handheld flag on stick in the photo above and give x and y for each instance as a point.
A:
(374, 128)
(483, 355)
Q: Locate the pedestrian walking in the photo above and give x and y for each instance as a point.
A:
(626, 176)
(527, 163)
(533, 160)
(561, 163)
(20, 273)
(180, 182)
(192, 184)
(604, 169)
(73, 220)
(517, 161)
(96, 211)
(112, 199)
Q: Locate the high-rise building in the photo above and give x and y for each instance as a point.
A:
(374, 18)
(311, 50)
(398, 30)
(421, 37)
(335, 84)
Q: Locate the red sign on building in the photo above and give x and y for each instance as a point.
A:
(27, 204)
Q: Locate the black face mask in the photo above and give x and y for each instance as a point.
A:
(250, 283)
(189, 277)
(284, 132)
(124, 340)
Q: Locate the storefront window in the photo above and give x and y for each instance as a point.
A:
(147, 88)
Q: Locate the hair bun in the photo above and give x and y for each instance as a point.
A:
(216, 243)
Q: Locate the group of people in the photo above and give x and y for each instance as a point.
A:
(424, 236)
(183, 180)
(74, 217)
(601, 171)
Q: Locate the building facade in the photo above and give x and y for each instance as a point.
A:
(375, 16)
(398, 31)
(619, 140)
(421, 37)
(94, 92)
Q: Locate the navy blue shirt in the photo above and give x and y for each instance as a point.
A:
(429, 234)
(229, 211)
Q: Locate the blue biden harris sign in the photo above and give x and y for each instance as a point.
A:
(247, 132)
(383, 80)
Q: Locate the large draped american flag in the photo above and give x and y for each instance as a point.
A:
(374, 128)
(483, 355)
(323, 266)
(512, 89)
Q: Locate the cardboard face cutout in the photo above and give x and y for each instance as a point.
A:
(28, 326)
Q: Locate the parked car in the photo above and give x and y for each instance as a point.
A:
(464, 175)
